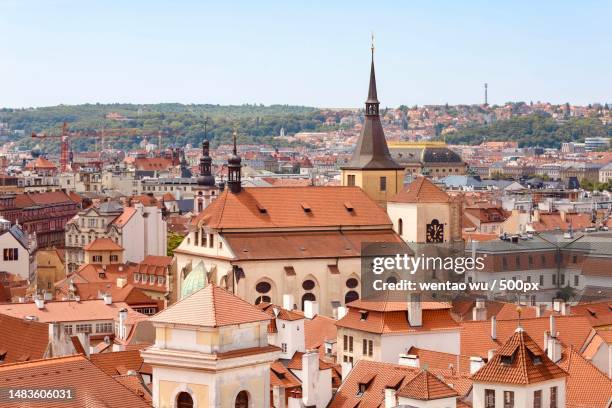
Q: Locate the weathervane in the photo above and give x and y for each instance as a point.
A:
(372, 44)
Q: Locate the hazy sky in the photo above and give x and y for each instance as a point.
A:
(303, 52)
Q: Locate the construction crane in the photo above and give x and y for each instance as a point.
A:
(66, 136)
(65, 144)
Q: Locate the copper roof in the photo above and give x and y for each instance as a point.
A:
(283, 208)
(421, 190)
(519, 361)
(211, 306)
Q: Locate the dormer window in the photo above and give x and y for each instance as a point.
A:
(507, 360)
(349, 207)
(306, 207)
(363, 315)
(362, 389)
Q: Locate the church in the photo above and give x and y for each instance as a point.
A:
(261, 243)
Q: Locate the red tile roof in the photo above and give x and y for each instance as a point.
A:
(426, 387)
(91, 386)
(377, 376)
(519, 361)
(152, 164)
(22, 340)
(281, 376)
(124, 217)
(103, 244)
(40, 163)
(476, 335)
(397, 321)
(211, 306)
(598, 313)
(421, 190)
(115, 363)
(278, 207)
(586, 386)
(68, 311)
(297, 245)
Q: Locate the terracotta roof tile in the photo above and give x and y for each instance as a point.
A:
(283, 208)
(68, 311)
(103, 244)
(19, 338)
(295, 245)
(586, 386)
(296, 362)
(91, 386)
(110, 362)
(476, 335)
(124, 217)
(598, 313)
(426, 387)
(211, 306)
(519, 361)
(396, 321)
(421, 190)
(281, 376)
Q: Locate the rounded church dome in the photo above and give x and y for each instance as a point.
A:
(439, 155)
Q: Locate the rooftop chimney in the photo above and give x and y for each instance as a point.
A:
(415, 313)
(493, 328)
(108, 299)
(479, 312)
(476, 364)
(40, 303)
(553, 326)
(409, 360)
(310, 378)
(390, 399)
(288, 302)
(311, 309)
(341, 312)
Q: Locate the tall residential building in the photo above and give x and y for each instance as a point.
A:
(139, 229)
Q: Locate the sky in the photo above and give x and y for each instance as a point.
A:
(313, 53)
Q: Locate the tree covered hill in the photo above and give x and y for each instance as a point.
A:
(532, 130)
(186, 122)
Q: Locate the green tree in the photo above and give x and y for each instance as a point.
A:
(174, 240)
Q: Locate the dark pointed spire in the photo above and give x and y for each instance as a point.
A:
(371, 151)
(372, 94)
(234, 172)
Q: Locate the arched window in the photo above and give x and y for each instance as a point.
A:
(242, 400)
(263, 299)
(400, 226)
(350, 296)
(184, 400)
(308, 296)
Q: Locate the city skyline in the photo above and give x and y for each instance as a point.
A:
(285, 54)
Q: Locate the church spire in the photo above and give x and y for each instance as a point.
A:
(372, 94)
(234, 164)
(371, 151)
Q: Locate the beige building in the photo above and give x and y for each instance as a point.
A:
(433, 159)
(49, 269)
(262, 243)
(211, 350)
(423, 213)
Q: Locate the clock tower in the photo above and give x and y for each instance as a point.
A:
(371, 166)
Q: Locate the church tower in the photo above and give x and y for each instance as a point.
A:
(371, 166)
(206, 189)
(234, 164)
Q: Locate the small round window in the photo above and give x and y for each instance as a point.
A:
(263, 287)
(308, 284)
(352, 283)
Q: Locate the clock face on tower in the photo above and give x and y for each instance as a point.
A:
(435, 232)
